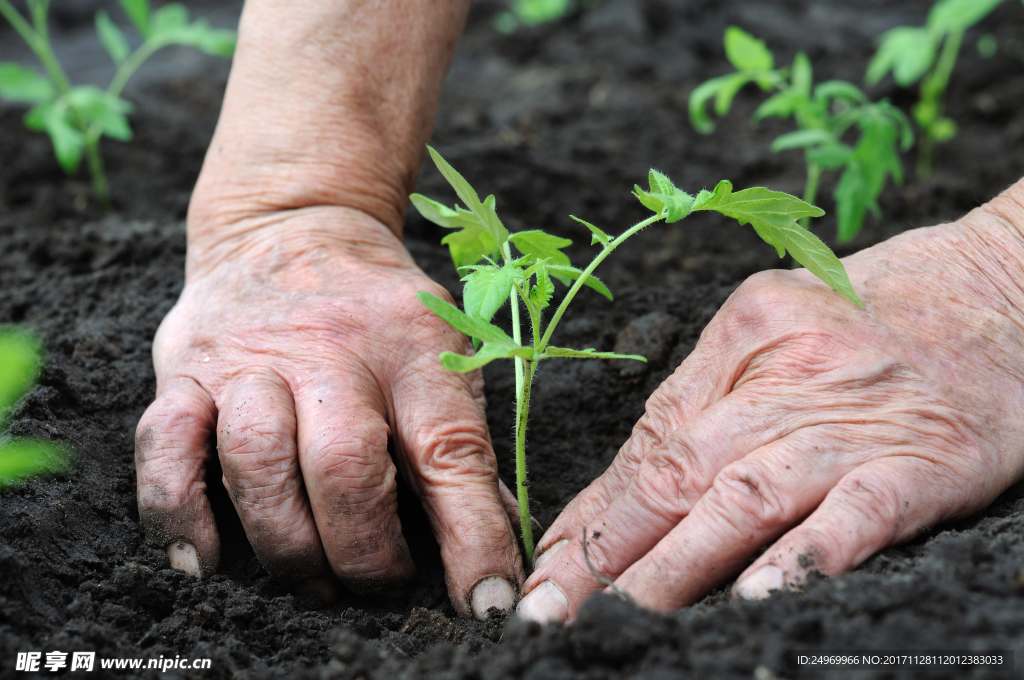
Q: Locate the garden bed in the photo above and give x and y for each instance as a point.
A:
(554, 120)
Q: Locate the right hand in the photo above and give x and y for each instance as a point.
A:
(299, 341)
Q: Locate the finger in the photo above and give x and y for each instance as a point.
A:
(256, 440)
(352, 482)
(667, 484)
(442, 434)
(171, 448)
(881, 503)
(751, 502)
(706, 376)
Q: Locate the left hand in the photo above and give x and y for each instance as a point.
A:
(803, 420)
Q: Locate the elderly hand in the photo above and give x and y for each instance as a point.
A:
(802, 421)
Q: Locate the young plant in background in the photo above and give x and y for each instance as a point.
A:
(525, 276)
(535, 12)
(21, 458)
(928, 54)
(76, 117)
(823, 115)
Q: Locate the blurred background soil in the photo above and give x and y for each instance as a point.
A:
(555, 120)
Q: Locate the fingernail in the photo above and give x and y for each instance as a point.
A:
(323, 588)
(545, 604)
(183, 557)
(540, 560)
(759, 585)
(491, 591)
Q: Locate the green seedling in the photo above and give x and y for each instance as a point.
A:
(928, 54)
(76, 117)
(20, 457)
(525, 276)
(535, 12)
(824, 114)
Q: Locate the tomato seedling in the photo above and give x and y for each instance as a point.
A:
(823, 114)
(527, 278)
(928, 54)
(21, 457)
(76, 117)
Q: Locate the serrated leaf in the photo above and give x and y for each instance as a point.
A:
(467, 194)
(563, 352)
(19, 361)
(568, 274)
(907, 52)
(539, 245)
(487, 289)
(947, 16)
(68, 142)
(485, 355)
(874, 159)
(801, 139)
(138, 13)
(474, 328)
(774, 215)
(597, 236)
(471, 243)
(540, 294)
(20, 84)
(746, 52)
(104, 110)
(24, 458)
(664, 198)
(112, 38)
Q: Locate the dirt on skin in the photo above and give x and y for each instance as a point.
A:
(556, 120)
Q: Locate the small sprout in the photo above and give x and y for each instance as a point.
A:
(824, 114)
(526, 280)
(20, 457)
(928, 54)
(77, 117)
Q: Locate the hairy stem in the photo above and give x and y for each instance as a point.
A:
(522, 417)
(578, 283)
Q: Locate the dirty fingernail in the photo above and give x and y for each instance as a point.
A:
(492, 591)
(541, 559)
(759, 585)
(547, 603)
(183, 557)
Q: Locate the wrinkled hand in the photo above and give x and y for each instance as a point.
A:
(803, 420)
(302, 345)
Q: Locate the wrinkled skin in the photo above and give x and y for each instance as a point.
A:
(806, 423)
(300, 345)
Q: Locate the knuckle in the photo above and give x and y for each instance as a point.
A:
(872, 497)
(745, 495)
(457, 448)
(669, 482)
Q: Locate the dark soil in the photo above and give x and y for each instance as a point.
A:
(555, 120)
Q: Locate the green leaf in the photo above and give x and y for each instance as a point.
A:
(801, 139)
(568, 274)
(166, 22)
(540, 294)
(699, 99)
(802, 76)
(112, 38)
(774, 215)
(874, 159)
(539, 245)
(24, 458)
(216, 41)
(68, 142)
(485, 355)
(947, 16)
(472, 243)
(487, 289)
(839, 89)
(664, 198)
(943, 130)
(597, 236)
(467, 194)
(19, 361)
(474, 328)
(728, 91)
(830, 156)
(781, 105)
(746, 52)
(566, 353)
(20, 84)
(533, 12)
(104, 110)
(138, 12)
(907, 52)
